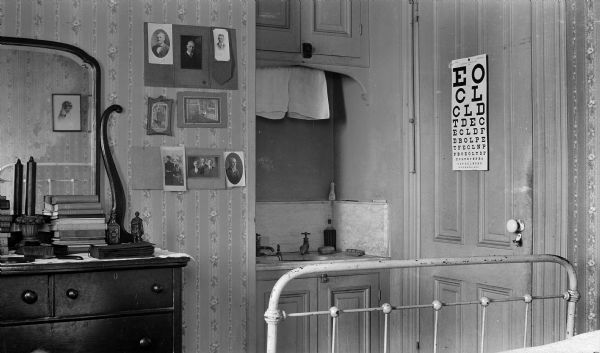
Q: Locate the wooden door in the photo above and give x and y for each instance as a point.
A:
(356, 332)
(278, 25)
(334, 27)
(295, 334)
(464, 213)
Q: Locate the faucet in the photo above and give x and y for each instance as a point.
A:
(260, 248)
(304, 247)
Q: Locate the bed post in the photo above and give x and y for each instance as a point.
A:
(272, 317)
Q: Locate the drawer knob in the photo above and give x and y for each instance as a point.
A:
(157, 288)
(145, 342)
(72, 293)
(29, 296)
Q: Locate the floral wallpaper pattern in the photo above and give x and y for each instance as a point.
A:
(209, 225)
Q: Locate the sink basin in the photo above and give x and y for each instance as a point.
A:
(306, 257)
(295, 256)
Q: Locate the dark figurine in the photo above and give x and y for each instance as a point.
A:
(137, 228)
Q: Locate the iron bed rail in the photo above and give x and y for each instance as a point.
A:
(273, 315)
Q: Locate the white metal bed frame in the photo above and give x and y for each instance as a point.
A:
(274, 315)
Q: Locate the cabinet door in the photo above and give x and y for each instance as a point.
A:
(334, 27)
(356, 332)
(294, 335)
(278, 25)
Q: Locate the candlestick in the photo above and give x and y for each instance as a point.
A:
(18, 189)
(30, 188)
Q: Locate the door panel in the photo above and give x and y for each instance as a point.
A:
(464, 213)
(296, 334)
(356, 332)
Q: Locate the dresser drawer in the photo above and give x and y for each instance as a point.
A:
(24, 297)
(108, 292)
(147, 333)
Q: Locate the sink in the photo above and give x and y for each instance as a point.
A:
(306, 257)
(295, 256)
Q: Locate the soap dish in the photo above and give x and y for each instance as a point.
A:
(326, 250)
(355, 252)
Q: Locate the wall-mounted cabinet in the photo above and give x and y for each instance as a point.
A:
(357, 332)
(336, 30)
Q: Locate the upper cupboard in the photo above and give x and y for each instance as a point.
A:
(332, 32)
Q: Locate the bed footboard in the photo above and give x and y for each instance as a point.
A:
(274, 315)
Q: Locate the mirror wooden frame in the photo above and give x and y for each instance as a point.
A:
(87, 59)
(102, 150)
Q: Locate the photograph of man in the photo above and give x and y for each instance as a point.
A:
(197, 166)
(162, 43)
(234, 168)
(211, 170)
(191, 52)
(221, 42)
(159, 46)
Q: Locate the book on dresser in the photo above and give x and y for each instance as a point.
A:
(58, 199)
(72, 206)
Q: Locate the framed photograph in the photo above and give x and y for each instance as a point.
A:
(66, 112)
(205, 168)
(234, 169)
(191, 52)
(221, 47)
(159, 116)
(202, 109)
(160, 45)
(173, 168)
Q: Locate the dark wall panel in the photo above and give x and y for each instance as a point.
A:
(294, 159)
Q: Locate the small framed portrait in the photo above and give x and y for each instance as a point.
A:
(234, 169)
(202, 109)
(160, 50)
(66, 112)
(221, 44)
(191, 52)
(173, 167)
(205, 168)
(159, 116)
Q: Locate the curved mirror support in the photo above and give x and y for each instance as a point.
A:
(117, 211)
(39, 79)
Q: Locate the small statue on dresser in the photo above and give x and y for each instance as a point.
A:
(137, 228)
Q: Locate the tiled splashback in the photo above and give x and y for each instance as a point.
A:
(363, 225)
(359, 225)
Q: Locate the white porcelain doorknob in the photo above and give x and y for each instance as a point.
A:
(515, 226)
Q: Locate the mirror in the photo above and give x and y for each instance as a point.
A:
(50, 112)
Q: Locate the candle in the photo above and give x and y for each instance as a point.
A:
(18, 189)
(30, 188)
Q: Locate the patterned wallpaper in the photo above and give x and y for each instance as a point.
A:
(209, 225)
(582, 39)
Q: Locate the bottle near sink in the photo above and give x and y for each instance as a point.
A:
(329, 235)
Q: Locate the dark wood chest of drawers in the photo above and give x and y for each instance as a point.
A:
(92, 306)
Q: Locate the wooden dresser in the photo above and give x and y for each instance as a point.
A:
(92, 306)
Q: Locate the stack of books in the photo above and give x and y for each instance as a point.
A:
(76, 221)
(5, 223)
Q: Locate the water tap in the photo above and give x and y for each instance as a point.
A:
(304, 247)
